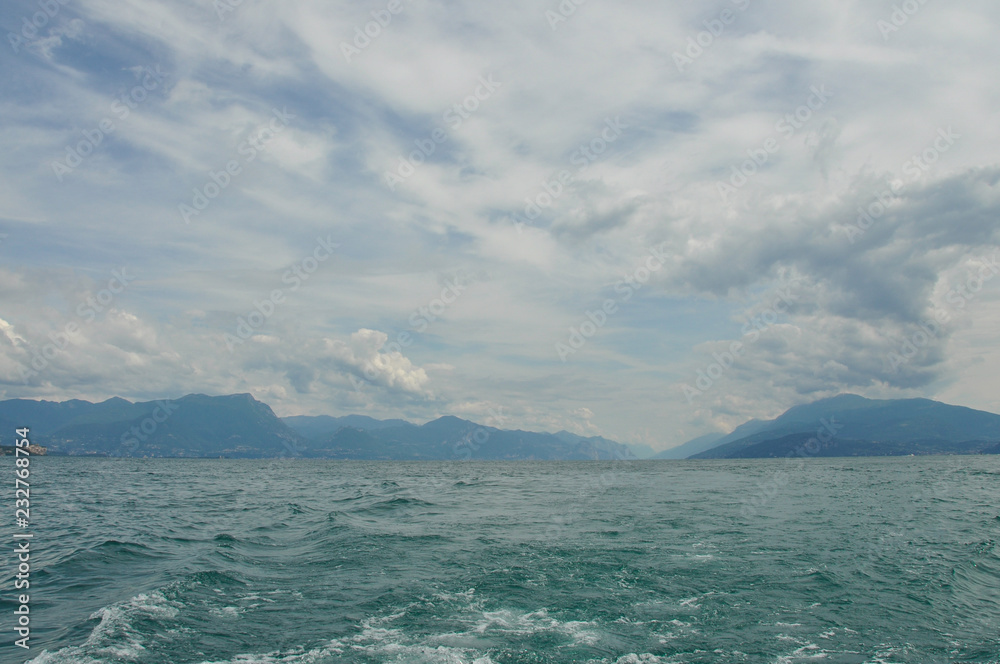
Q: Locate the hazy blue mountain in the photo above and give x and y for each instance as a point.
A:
(240, 426)
(452, 438)
(7, 432)
(46, 417)
(641, 450)
(710, 440)
(317, 427)
(693, 446)
(196, 425)
(599, 446)
(847, 447)
(864, 427)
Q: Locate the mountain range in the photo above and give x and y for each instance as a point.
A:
(850, 425)
(239, 426)
(361, 437)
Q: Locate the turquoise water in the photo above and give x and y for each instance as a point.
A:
(839, 560)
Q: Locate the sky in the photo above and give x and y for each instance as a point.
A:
(645, 220)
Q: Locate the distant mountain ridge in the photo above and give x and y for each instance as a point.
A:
(239, 426)
(196, 425)
(856, 426)
(445, 438)
(693, 446)
(316, 426)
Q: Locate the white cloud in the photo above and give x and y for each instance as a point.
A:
(657, 183)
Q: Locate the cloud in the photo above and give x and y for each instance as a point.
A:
(363, 354)
(905, 123)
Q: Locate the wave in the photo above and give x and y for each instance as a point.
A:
(117, 635)
(445, 627)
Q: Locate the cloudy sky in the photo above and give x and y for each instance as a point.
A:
(566, 213)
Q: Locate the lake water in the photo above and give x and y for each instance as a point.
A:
(249, 561)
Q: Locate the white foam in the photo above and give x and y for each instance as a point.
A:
(644, 658)
(113, 637)
(466, 596)
(299, 656)
(379, 637)
(808, 651)
(423, 653)
(635, 658)
(514, 622)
